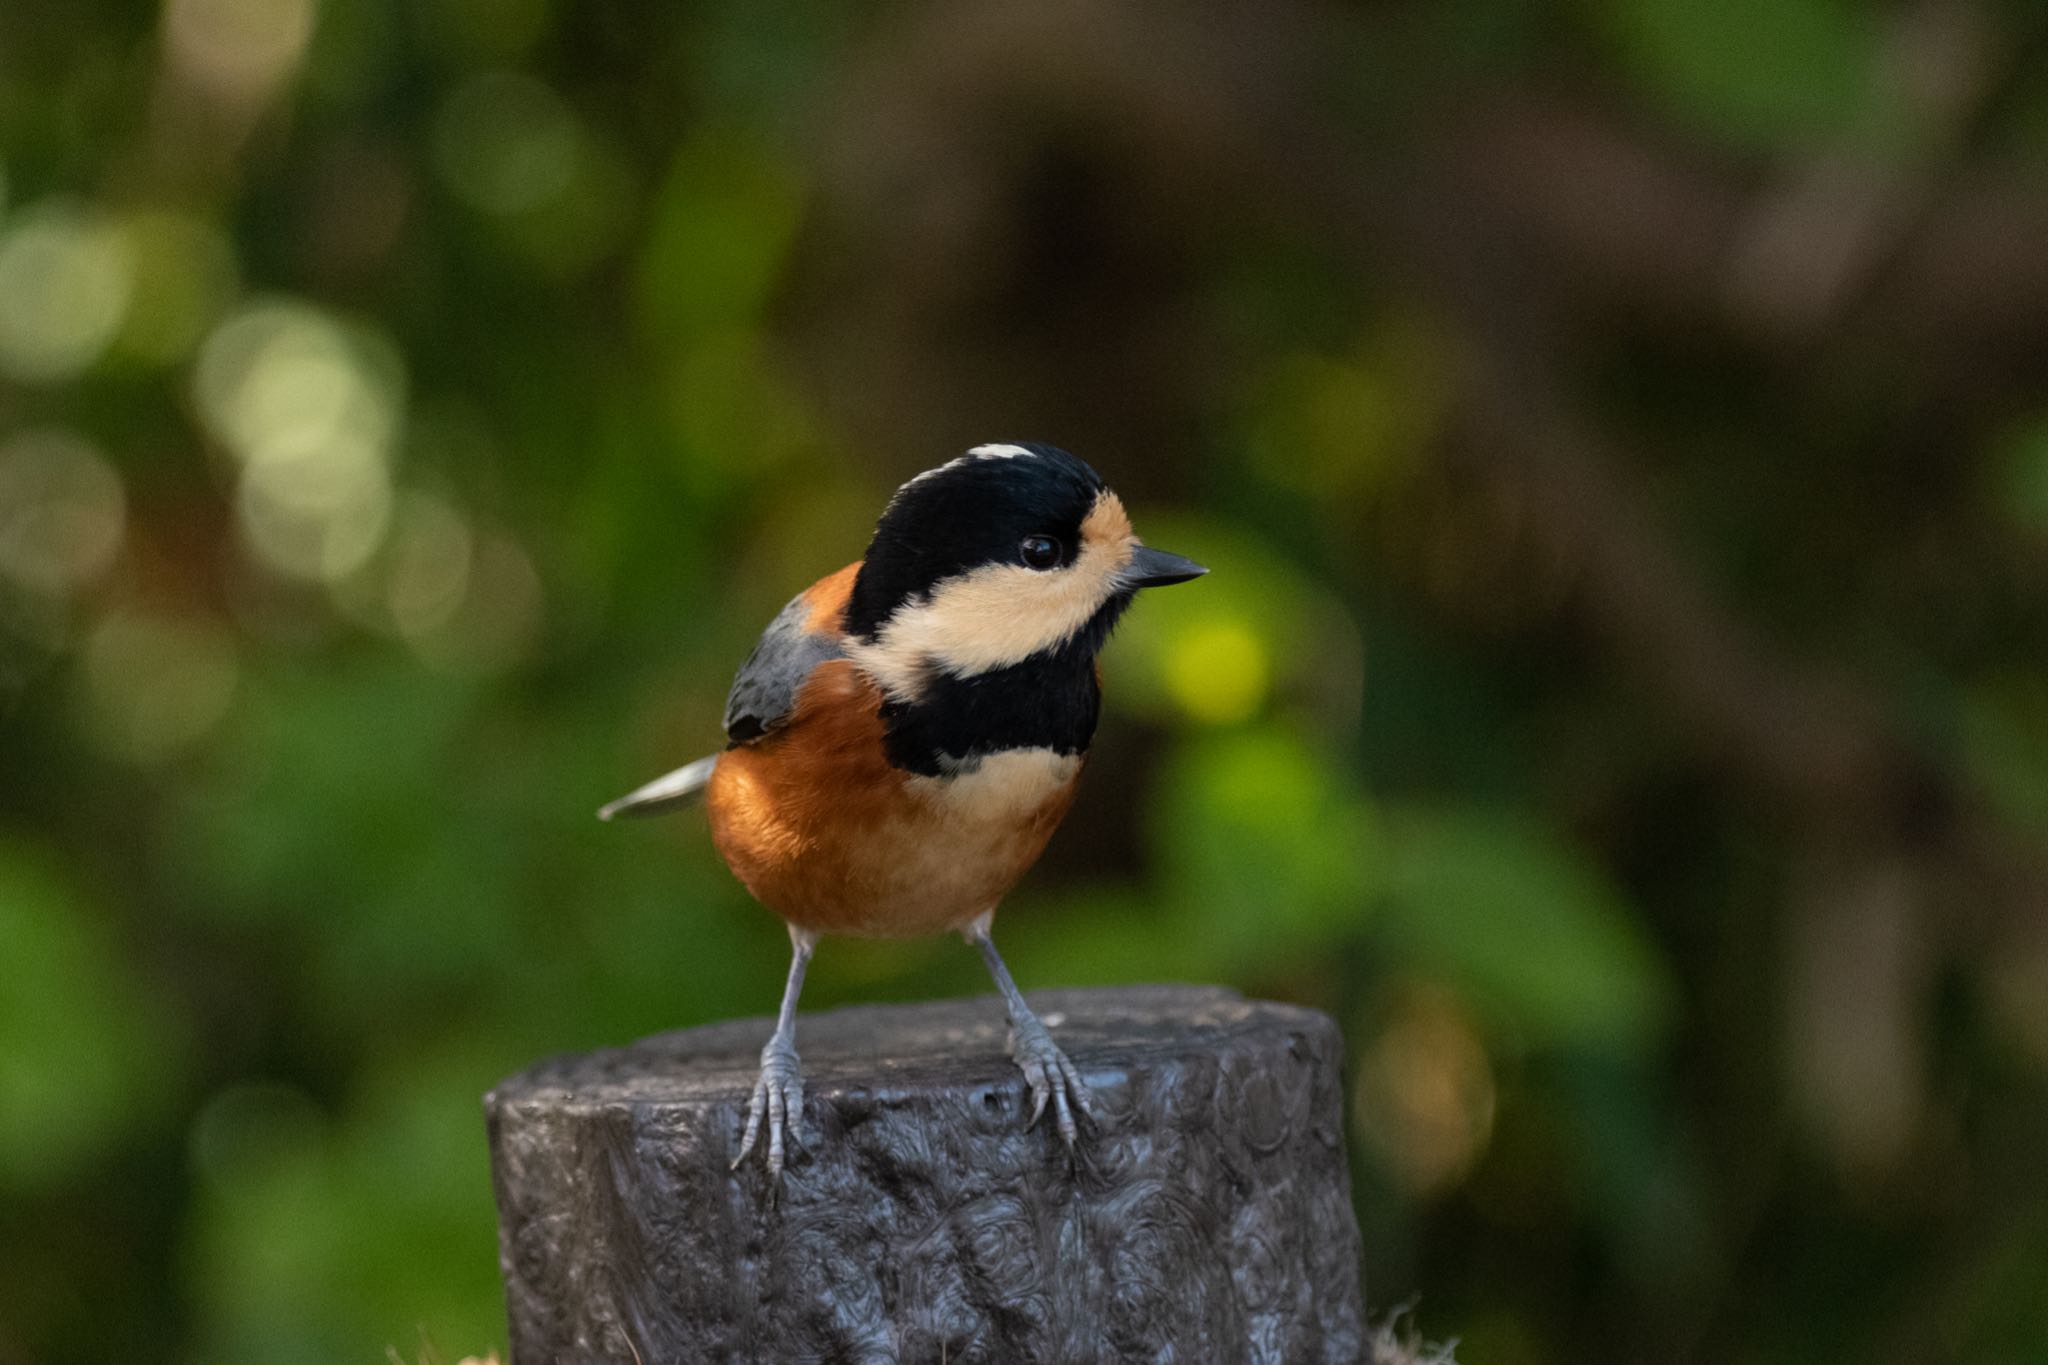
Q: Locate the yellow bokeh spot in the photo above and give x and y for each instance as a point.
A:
(1425, 1093)
(241, 47)
(185, 276)
(1218, 671)
(156, 686)
(311, 409)
(62, 511)
(65, 277)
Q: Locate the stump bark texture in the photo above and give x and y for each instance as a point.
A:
(1204, 1218)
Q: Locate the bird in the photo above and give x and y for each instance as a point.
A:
(909, 731)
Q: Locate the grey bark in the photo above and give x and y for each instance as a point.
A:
(1205, 1217)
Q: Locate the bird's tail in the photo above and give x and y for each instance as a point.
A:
(678, 788)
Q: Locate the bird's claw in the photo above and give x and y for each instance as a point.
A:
(779, 1100)
(1053, 1079)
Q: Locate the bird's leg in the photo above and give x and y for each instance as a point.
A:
(779, 1093)
(1051, 1076)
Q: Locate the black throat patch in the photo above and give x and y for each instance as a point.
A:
(1048, 701)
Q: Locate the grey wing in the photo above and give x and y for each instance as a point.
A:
(762, 697)
(764, 692)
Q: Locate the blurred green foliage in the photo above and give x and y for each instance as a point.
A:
(1617, 430)
(1773, 72)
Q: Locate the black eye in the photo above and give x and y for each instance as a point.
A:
(1040, 552)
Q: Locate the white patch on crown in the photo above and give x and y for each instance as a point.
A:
(997, 451)
(1000, 614)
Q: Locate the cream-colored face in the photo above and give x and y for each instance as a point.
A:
(1001, 614)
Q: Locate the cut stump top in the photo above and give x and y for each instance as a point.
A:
(1204, 1216)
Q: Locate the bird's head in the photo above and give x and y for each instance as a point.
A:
(1010, 552)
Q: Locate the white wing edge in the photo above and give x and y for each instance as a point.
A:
(665, 792)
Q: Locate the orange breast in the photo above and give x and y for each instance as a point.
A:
(825, 832)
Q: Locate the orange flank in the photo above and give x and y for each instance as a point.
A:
(822, 830)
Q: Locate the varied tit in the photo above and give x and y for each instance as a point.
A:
(909, 731)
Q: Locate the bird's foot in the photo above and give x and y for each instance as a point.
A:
(1052, 1078)
(778, 1104)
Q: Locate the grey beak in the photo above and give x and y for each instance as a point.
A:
(1150, 568)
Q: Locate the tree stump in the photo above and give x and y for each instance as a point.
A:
(1204, 1217)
